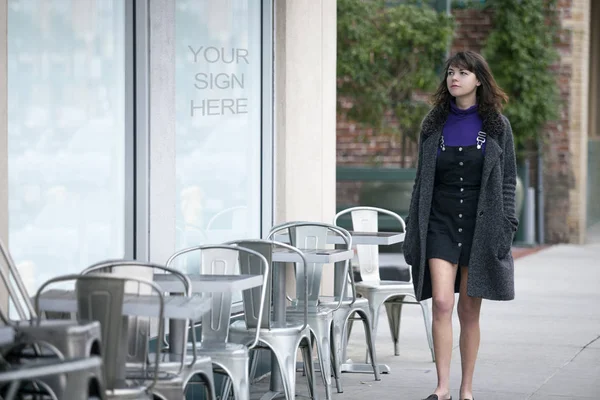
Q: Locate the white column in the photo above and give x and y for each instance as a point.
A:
(305, 112)
(305, 106)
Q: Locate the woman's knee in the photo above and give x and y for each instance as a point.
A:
(443, 305)
(468, 309)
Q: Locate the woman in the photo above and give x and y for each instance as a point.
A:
(462, 215)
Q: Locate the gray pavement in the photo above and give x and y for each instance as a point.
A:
(543, 345)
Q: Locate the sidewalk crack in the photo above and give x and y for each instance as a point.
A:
(564, 365)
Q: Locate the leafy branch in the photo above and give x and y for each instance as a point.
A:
(521, 52)
(386, 55)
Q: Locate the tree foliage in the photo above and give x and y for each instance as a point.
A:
(385, 54)
(520, 51)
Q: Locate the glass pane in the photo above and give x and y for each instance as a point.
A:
(218, 132)
(66, 134)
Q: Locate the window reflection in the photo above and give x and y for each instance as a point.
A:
(66, 134)
(218, 133)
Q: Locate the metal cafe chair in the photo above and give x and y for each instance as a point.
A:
(313, 236)
(74, 339)
(101, 297)
(342, 319)
(24, 352)
(230, 358)
(177, 371)
(392, 294)
(282, 338)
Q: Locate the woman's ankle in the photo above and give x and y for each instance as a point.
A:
(466, 393)
(442, 393)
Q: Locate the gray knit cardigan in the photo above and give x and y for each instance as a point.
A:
(491, 269)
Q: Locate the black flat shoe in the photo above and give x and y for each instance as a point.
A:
(435, 397)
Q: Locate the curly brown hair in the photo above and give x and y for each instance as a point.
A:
(490, 97)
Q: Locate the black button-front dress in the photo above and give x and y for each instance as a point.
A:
(454, 203)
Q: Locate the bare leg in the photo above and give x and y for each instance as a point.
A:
(443, 275)
(468, 314)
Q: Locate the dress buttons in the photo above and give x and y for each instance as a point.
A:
(462, 189)
(460, 149)
(460, 245)
(461, 179)
(460, 163)
(460, 229)
(461, 201)
(459, 215)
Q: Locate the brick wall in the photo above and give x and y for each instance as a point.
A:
(473, 28)
(564, 168)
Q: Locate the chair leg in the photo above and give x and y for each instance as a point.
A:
(226, 390)
(309, 367)
(370, 342)
(374, 307)
(427, 319)
(337, 345)
(393, 310)
(287, 367)
(253, 365)
(241, 389)
(321, 329)
(237, 368)
(209, 383)
(202, 368)
(349, 329)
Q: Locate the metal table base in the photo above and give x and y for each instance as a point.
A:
(351, 367)
(363, 368)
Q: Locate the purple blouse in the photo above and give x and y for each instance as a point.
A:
(462, 126)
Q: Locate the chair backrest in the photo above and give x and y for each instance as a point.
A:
(222, 259)
(252, 297)
(305, 235)
(138, 328)
(100, 297)
(103, 301)
(366, 219)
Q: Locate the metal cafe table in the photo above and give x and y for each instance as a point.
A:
(320, 256)
(175, 307)
(282, 255)
(225, 284)
(364, 238)
(358, 238)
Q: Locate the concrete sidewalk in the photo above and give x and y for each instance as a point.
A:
(543, 345)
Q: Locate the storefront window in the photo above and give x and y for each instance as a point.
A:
(66, 134)
(218, 131)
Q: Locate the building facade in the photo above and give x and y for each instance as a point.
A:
(132, 129)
